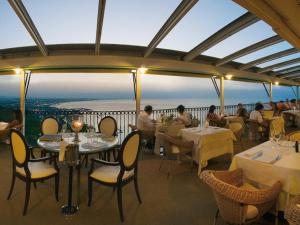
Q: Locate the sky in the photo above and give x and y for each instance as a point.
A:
(132, 22)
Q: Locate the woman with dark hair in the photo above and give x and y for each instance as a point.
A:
(215, 119)
(184, 117)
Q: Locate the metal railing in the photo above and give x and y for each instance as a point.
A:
(123, 118)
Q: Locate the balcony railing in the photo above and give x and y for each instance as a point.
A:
(123, 118)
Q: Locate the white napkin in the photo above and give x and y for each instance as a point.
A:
(268, 157)
(3, 125)
(253, 152)
(63, 145)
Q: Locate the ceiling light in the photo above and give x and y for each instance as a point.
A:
(143, 70)
(18, 71)
(276, 83)
(228, 77)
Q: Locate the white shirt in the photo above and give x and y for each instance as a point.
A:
(144, 122)
(256, 115)
(186, 118)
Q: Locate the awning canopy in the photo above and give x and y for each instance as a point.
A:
(122, 58)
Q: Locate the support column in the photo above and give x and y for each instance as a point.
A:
(297, 93)
(138, 93)
(270, 91)
(22, 98)
(222, 110)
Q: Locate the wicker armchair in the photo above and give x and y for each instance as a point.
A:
(292, 211)
(239, 203)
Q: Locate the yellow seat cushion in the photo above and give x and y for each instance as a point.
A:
(38, 170)
(175, 149)
(251, 212)
(109, 174)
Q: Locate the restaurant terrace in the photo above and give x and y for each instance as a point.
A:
(222, 166)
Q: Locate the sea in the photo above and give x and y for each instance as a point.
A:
(129, 104)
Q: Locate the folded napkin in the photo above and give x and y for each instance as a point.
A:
(253, 153)
(63, 145)
(51, 137)
(268, 157)
(284, 143)
(94, 145)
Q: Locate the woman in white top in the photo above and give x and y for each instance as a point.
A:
(184, 117)
(144, 122)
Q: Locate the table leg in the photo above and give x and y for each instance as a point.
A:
(70, 209)
(78, 183)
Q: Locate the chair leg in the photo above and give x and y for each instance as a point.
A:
(137, 189)
(120, 206)
(56, 187)
(90, 191)
(28, 185)
(11, 186)
(216, 217)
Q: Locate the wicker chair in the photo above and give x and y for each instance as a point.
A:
(292, 211)
(256, 131)
(294, 136)
(239, 203)
(177, 147)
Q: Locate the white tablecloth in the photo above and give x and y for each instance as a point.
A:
(285, 169)
(209, 142)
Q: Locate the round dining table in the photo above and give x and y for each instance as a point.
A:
(89, 143)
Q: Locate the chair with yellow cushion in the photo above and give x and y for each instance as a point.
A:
(237, 130)
(108, 128)
(239, 203)
(292, 211)
(29, 170)
(268, 114)
(49, 126)
(117, 174)
(294, 136)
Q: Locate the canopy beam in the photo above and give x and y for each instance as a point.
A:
(100, 18)
(222, 104)
(182, 9)
(252, 48)
(279, 65)
(23, 15)
(291, 74)
(288, 70)
(268, 58)
(235, 26)
(213, 79)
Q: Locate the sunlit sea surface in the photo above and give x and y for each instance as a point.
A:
(129, 104)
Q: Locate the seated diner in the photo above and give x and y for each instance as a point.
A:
(214, 118)
(184, 117)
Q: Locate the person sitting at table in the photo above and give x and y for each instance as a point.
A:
(144, 122)
(242, 112)
(214, 118)
(184, 117)
(17, 123)
(257, 115)
(287, 104)
(280, 105)
(293, 104)
(275, 109)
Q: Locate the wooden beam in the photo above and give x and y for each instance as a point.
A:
(23, 15)
(291, 74)
(264, 10)
(279, 65)
(268, 58)
(222, 105)
(182, 9)
(100, 18)
(252, 48)
(288, 70)
(22, 99)
(235, 26)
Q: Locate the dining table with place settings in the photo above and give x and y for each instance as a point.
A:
(209, 143)
(269, 162)
(89, 143)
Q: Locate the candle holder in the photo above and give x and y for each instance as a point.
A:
(76, 125)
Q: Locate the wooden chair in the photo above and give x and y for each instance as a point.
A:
(49, 126)
(238, 202)
(294, 136)
(177, 147)
(117, 174)
(237, 130)
(292, 211)
(29, 170)
(108, 128)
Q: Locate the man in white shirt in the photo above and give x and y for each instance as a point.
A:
(144, 122)
(257, 114)
(184, 117)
